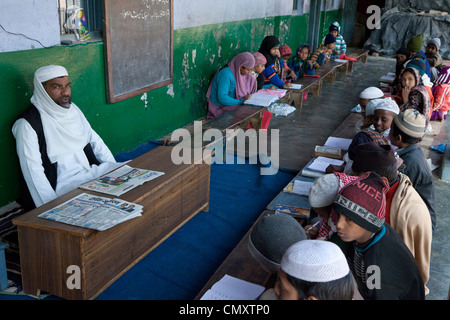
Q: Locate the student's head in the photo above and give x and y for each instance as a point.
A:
(334, 29)
(314, 270)
(322, 194)
(55, 82)
(418, 64)
(270, 238)
(260, 62)
(414, 44)
(361, 205)
(384, 113)
(285, 52)
(401, 55)
(433, 45)
(304, 51)
(330, 41)
(270, 48)
(380, 159)
(367, 95)
(409, 78)
(407, 128)
(244, 62)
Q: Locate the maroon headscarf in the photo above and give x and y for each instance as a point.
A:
(244, 84)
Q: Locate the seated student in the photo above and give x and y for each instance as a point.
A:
(286, 73)
(260, 65)
(299, 62)
(270, 49)
(441, 93)
(406, 212)
(381, 263)
(413, 94)
(314, 270)
(271, 236)
(419, 64)
(323, 53)
(365, 97)
(408, 129)
(341, 46)
(231, 86)
(414, 48)
(434, 57)
(57, 148)
(321, 198)
(401, 56)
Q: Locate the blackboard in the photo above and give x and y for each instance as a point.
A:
(138, 37)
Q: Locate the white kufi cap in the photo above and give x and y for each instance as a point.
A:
(315, 261)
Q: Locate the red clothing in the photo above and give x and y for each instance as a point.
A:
(442, 97)
(389, 196)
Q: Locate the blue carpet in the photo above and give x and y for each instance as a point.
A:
(180, 267)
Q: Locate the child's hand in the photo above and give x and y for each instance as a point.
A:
(405, 93)
(287, 85)
(247, 97)
(312, 233)
(293, 75)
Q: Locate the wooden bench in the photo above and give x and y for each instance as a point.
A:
(47, 248)
(360, 54)
(326, 72)
(240, 264)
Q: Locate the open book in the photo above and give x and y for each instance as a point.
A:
(260, 99)
(93, 212)
(121, 180)
(231, 288)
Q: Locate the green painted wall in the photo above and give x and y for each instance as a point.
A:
(198, 53)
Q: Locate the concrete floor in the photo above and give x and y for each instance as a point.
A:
(321, 115)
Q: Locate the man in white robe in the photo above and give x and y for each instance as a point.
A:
(67, 133)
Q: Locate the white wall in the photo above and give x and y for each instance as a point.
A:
(36, 19)
(193, 13)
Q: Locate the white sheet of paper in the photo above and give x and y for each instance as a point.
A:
(295, 86)
(321, 163)
(341, 60)
(302, 187)
(335, 142)
(231, 288)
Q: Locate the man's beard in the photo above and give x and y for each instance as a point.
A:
(64, 104)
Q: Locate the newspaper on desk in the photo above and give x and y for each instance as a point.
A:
(121, 180)
(93, 212)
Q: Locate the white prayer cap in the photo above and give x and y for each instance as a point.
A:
(50, 72)
(315, 261)
(387, 104)
(371, 93)
(324, 191)
(370, 108)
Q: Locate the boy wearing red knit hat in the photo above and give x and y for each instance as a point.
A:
(382, 265)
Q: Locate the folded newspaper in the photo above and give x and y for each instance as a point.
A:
(93, 212)
(121, 180)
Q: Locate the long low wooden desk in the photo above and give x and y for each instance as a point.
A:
(48, 248)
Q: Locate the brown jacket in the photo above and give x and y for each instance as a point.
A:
(410, 218)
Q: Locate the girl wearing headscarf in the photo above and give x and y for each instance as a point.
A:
(441, 93)
(413, 94)
(231, 86)
(260, 65)
(270, 49)
(299, 62)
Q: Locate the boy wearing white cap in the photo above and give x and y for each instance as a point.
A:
(57, 148)
(314, 270)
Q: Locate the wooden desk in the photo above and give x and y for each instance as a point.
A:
(48, 248)
(326, 72)
(240, 264)
(360, 54)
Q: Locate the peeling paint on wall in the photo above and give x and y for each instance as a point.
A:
(194, 54)
(170, 90)
(144, 98)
